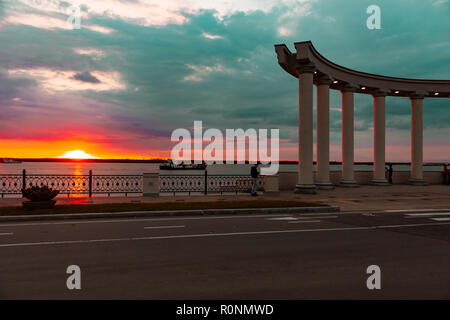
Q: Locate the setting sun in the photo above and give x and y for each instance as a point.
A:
(77, 154)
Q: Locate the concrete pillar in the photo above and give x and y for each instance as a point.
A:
(417, 140)
(271, 184)
(305, 183)
(379, 139)
(348, 152)
(323, 134)
(150, 184)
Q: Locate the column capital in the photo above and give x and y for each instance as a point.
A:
(380, 93)
(305, 68)
(349, 87)
(323, 80)
(417, 95)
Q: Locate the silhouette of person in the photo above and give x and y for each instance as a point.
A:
(390, 173)
(254, 174)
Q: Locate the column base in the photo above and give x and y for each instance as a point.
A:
(417, 182)
(380, 182)
(325, 185)
(305, 188)
(348, 184)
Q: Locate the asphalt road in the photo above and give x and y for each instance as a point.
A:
(308, 256)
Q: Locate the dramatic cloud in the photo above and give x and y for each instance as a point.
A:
(47, 22)
(60, 80)
(138, 69)
(159, 13)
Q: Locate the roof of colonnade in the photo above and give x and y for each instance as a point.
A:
(308, 58)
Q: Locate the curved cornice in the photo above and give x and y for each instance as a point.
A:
(342, 77)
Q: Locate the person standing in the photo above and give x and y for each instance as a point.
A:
(390, 172)
(254, 174)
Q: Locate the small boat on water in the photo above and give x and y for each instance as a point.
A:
(171, 166)
(9, 161)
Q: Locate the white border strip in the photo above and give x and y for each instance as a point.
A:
(164, 227)
(209, 235)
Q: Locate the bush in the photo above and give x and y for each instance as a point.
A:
(43, 193)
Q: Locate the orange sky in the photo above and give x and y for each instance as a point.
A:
(54, 149)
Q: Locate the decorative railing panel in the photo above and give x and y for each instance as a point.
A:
(117, 184)
(66, 184)
(11, 184)
(214, 183)
(229, 183)
(232, 183)
(72, 184)
(187, 183)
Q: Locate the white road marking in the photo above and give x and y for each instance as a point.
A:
(322, 214)
(6, 234)
(135, 220)
(417, 210)
(294, 219)
(304, 221)
(441, 219)
(164, 227)
(421, 215)
(177, 237)
(412, 225)
(320, 217)
(208, 235)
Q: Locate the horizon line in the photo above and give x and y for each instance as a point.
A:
(160, 160)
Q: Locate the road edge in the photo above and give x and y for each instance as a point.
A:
(174, 213)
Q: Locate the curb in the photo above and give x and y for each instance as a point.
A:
(177, 213)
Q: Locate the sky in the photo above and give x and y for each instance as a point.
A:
(136, 70)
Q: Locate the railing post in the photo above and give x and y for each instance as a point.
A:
(90, 183)
(24, 179)
(206, 182)
(151, 184)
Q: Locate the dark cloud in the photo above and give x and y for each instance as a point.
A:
(86, 77)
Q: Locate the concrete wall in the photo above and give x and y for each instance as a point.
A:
(271, 184)
(288, 180)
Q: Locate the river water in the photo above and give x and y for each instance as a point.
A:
(82, 168)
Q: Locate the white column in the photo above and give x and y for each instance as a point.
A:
(305, 182)
(348, 152)
(379, 139)
(417, 140)
(323, 134)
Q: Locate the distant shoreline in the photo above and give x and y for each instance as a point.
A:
(90, 160)
(431, 163)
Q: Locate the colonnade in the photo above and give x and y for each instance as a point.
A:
(306, 181)
(311, 68)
